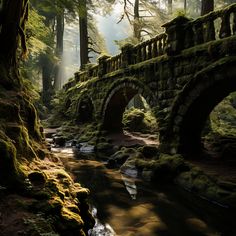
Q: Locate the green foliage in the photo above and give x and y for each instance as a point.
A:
(39, 35)
(40, 40)
(223, 117)
(138, 120)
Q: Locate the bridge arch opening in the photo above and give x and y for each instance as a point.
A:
(85, 110)
(219, 134)
(138, 117)
(119, 99)
(199, 103)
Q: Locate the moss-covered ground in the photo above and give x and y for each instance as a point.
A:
(37, 196)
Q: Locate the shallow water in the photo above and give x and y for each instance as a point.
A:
(125, 205)
(100, 229)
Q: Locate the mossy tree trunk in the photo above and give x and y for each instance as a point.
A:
(20, 129)
(13, 17)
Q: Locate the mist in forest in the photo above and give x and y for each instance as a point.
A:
(108, 27)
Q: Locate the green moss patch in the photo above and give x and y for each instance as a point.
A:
(10, 171)
(138, 120)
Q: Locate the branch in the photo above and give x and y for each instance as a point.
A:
(126, 12)
(145, 31)
(121, 18)
(93, 50)
(130, 3)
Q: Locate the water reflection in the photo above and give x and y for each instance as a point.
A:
(100, 229)
(129, 174)
(130, 186)
(156, 210)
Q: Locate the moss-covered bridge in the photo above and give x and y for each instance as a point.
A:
(183, 74)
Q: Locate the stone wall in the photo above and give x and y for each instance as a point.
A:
(166, 71)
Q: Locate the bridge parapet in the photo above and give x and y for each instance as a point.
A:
(129, 55)
(113, 63)
(150, 49)
(181, 33)
(206, 28)
(184, 33)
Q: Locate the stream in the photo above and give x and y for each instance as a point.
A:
(123, 204)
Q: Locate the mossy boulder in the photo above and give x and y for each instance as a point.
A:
(160, 169)
(71, 219)
(198, 182)
(103, 146)
(119, 158)
(149, 151)
(82, 193)
(138, 120)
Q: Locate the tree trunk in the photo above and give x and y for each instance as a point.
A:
(83, 30)
(60, 33)
(207, 6)
(47, 90)
(59, 49)
(169, 7)
(12, 19)
(136, 25)
(185, 6)
(17, 112)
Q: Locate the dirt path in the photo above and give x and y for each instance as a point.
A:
(128, 139)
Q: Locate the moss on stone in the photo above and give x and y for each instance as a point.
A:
(20, 135)
(72, 219)
(10, 171)
(82, 193)
(149, 151)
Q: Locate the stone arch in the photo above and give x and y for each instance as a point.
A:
(194, 104)
(117, 98)
(85, 109)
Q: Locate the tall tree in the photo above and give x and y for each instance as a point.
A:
(59, 48)
(193, 7)
(19, 117)
(13, 17)
(137, 23)
(83, 29)
(207, 6)
(89, 43)
(145, 17)
(170, 6)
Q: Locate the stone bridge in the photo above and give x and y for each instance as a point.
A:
(183, 74)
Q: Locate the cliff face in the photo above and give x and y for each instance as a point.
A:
(34, 187)
(31, 175)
